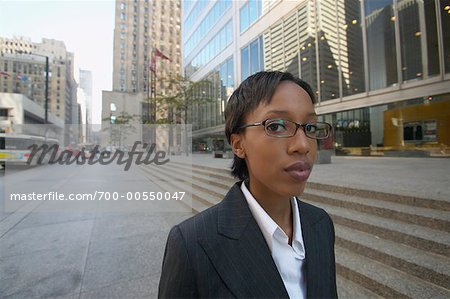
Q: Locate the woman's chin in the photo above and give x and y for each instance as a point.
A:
(295, 190)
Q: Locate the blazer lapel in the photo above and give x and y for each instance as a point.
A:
(307, 220)
(240, 254)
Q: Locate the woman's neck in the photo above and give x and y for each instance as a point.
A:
(276, 206)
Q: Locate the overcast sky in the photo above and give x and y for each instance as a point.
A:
(86, 27)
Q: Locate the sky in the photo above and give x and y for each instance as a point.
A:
(86, 28)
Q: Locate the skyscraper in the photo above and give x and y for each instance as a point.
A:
(23, 67)
(141, 28)
(147, 52)
(86, 86)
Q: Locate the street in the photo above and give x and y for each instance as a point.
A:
(83, 249)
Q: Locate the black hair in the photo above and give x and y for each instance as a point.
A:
(253, 91)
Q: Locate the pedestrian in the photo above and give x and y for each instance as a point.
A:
(261, 240)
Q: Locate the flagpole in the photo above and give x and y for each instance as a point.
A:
(149, 71)
(46, 88)
(154, 89)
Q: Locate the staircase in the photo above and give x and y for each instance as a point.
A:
(387, 245)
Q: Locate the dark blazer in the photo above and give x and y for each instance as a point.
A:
(221, 252)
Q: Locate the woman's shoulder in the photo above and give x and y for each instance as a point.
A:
(206, 222)
(201, 224)
(314, 213)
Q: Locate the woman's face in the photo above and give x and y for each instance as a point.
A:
(279, 167)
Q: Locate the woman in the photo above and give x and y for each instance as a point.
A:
(260, 241)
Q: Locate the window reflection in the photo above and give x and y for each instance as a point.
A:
(418, 38)
(211, 49)
(244, 63)
(252, 58)
(445, 19)
(416, 125)
(307, 45)
(208, 22)
(380, 26)
(249, 13)
(216, 87)
(244, 17)
(328, 50)
(351, 47)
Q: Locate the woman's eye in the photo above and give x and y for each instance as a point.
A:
(276, 127)
(311, 128)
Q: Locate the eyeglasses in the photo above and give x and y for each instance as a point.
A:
(284, 128)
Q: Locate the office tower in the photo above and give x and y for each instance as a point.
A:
(85, 79)
(23, 67)
(379, 69)
(141, 28)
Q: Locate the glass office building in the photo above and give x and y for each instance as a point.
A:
(380, 68)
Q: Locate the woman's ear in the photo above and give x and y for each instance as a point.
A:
(236, 145)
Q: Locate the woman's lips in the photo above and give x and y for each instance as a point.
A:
(299, 171)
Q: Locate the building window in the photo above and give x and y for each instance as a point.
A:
(123, 16)
(3, 112)
(122, 6)
(244, 63)
(420, 48)
(445, 24)
(252, 58)
(208, 22)
(381, 45)
(216, 45)
(249, 13)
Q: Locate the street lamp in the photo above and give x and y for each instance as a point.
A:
(46, 80)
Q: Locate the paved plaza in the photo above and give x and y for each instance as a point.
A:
(96, 254)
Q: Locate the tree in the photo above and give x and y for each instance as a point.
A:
(187, 94)
(120, 127)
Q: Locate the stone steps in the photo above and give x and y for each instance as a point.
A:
(377, 232)
(167, 183)
(431, 218)
(427, 266)
(407, 200)
(384, 280)
(420, 237)
(347, 289)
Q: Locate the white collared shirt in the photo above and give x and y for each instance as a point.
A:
(290, 260)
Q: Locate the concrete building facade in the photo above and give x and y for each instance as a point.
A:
(23, 70)
(140, 28)
(147, 53)
(19, 114)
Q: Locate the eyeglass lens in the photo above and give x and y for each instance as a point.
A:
(286, 128)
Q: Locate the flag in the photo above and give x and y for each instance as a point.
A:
(152, 65)
(4, 74)
(158, 53)
(22, 77)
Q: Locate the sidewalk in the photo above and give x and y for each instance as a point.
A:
(418, 177)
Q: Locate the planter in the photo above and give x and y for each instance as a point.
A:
(324, 156)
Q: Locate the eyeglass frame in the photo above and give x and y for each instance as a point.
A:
(297, 125)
